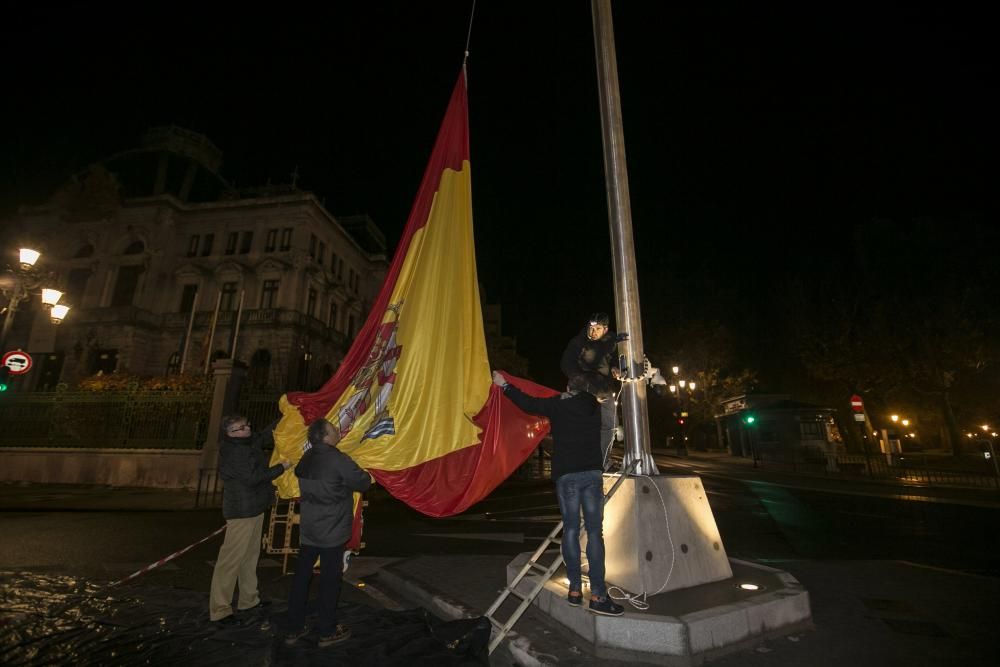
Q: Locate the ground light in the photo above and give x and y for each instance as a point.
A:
(750, 587)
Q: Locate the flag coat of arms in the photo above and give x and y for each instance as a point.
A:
(413, 401)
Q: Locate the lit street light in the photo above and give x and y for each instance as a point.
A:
(25, 281)
(682, 391)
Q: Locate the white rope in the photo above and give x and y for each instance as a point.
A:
(639, 600)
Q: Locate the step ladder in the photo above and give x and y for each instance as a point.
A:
(502, 628)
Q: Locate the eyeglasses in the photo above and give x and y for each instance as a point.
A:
(239, 428)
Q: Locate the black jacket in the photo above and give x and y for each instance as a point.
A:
(243, 468)
(593, 359)
(327, 478)
(576, 428)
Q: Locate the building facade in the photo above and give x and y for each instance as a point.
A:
(773, 427)
(149, 242)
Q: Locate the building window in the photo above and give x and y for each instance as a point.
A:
(269, 294)
(85, 251)
(247, 243)
(286, 238)
(340, 270)
(812, 430)
(272, 240)
(134, 248)
(77, 287)
(231, 239)
(321, 254)
(350, 326)
(187, 298)
(126, 285)
(174, 364)
(105, 361)
(193, 245)
(312, 246)
(228, 297)
(332, 321)
(260, 368)
(311, 303)
(206, 245)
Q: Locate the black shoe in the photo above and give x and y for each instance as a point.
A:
(293, 637)
(262, 605)
(227, 622)
(574, 600)
(605, 606)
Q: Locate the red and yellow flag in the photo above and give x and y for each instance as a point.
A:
(413, 399)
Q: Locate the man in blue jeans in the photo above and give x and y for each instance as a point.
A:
(577, 462)
(327, 480)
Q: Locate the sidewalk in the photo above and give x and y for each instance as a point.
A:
(24, 496)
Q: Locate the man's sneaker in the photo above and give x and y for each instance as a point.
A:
(226, 622)
(574, 600)
(605, 606)
(340, 634)
(293, 637)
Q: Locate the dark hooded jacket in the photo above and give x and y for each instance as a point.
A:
(327, 479)
(592, 359)
(243, 468)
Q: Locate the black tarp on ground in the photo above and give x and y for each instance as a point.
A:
(56, 620)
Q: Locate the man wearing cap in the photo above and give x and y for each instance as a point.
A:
(591, 356)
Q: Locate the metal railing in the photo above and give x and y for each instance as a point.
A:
(138, 419)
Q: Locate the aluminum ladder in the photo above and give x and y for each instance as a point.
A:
(502, 628)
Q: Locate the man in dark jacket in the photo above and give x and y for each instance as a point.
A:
(575, 420)
(245, 496)
(591, 356)
(327, 480)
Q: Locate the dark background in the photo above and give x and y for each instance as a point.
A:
(763, 146)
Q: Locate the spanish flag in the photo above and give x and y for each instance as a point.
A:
(413, 400)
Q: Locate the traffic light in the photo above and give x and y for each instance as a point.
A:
(4, 374)
(749, 419)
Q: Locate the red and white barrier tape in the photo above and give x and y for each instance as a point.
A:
(165, 560)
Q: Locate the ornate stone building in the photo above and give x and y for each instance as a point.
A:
(140, 239)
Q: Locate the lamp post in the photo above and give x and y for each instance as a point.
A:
(681, 389)
(26, 280)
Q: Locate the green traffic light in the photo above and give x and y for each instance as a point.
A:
(3, 387)
(750, 419)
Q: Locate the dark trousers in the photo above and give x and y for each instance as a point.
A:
(331, 563)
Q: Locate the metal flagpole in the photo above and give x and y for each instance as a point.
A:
(211, 335)
(627, 311)
(187, 336)
(236, 327)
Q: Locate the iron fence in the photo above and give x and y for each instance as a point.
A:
(133, 419)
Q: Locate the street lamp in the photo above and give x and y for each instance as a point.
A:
(26, 280)
(682, 391)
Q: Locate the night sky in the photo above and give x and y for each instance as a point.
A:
(758, 141)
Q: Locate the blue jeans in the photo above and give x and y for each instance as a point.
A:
(586, 490)
(331, 563)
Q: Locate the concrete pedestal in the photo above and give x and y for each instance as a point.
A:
(660, 535)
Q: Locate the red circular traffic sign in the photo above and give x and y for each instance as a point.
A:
(17, 361)
(856, 404)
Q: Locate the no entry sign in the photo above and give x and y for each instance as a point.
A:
(17, 361)
(856, 404)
